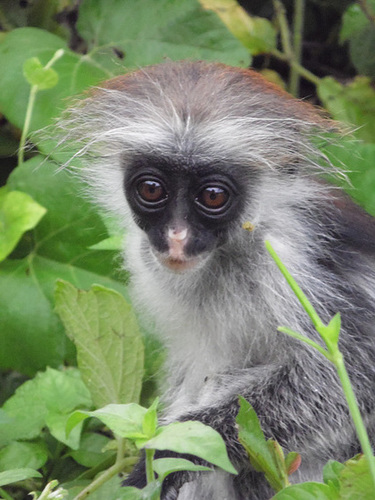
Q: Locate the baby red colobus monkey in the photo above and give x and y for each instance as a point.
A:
(185, 153)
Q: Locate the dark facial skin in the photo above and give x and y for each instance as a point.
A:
(185, 210)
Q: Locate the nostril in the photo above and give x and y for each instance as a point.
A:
(177, 234)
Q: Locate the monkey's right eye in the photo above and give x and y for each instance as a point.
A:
(151, 192)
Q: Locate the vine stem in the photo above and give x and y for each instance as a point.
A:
(299, 12)
(366, 9)
(338, 360)
(149, 469)
(30, 107)
(106, 476)
(26, 126)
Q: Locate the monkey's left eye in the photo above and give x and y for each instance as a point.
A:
(151, 191)
(213, 198)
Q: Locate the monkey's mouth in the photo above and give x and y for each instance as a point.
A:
(178, 265)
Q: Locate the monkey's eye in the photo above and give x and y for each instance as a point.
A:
(151, 192)
(213, 198)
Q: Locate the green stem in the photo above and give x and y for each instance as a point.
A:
(317, 322)
(5, 495)
(284, 28)
(120, 449)
(305, 73)
(149, 469)
(338, 361)
(366, 9)
(25, 131)
(106, 476)
(299, 11)
(30, 107)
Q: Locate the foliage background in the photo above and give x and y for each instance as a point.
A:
(48, 231)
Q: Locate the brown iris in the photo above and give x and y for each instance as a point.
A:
(213, 197)
(151, 191)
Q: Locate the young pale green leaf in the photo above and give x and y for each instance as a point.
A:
(257, 34)
(36, 401)
(124, 420)
(330, 333)
(19, 454)
(165, 466)
(14, 475)
(56, 423)
(193, 438)
(110, 350)
(36, 74)
(18, 213)
(331, 473)
(252, 439)
(308, 491)
(150, 420)
(355, 480)
(292, 462)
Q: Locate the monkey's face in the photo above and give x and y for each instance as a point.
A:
(185, 210)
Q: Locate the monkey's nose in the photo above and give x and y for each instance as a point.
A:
(177, 234)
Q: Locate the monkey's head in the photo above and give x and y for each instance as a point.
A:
(185, 207)
(189, 151)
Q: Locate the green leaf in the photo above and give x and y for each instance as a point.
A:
(356, 480)
(23, 455)
(34, 402)
(257, 34)
(36, 74)
(14, 475)
(91, 450)
(31, 334)
(193, 438)
(183, 30)
(353, 103)
(124, 420)
(331, 332)
(76, 73)
(331, 473)
(251, 437)
(292, 462)
(150, 420)
(18, 213)
(308, 491)
(149, 492)
(357, 28)
(165, 466)
(110, 350)
(357, 161)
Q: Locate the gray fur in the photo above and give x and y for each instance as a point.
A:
(219, 322)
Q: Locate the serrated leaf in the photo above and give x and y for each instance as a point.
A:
(14, 475)
(18, 213)
(36, 74)
(110, 350)
(124, 420)
(165, 466)
(193, 438)
(36, 400)
(257, 34)
(251, 437)
(307, 491)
